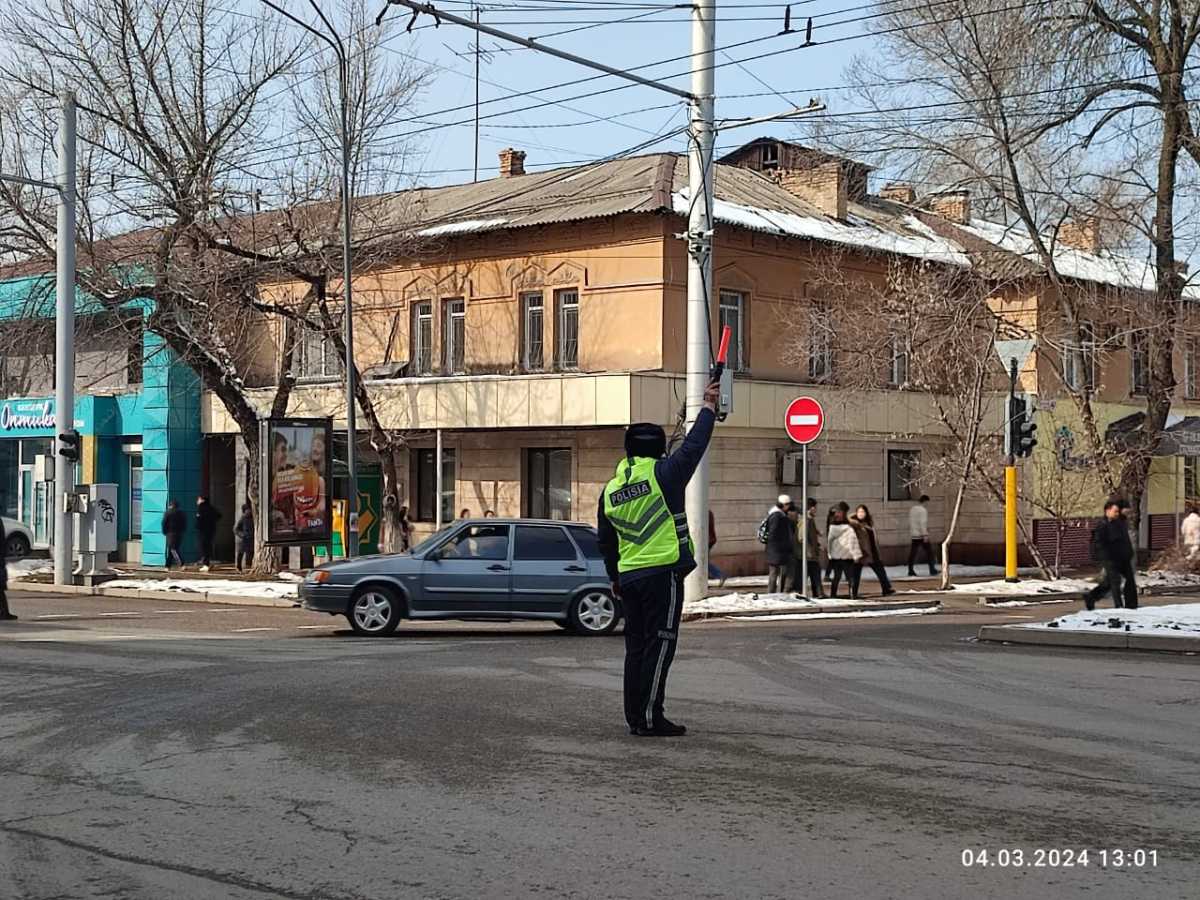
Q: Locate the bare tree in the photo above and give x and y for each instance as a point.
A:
(183, 147)
(1053, 115)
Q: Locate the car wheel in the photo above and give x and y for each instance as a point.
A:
(375, 611)
(594, 613)
(17, 546)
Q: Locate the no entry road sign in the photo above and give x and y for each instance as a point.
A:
(804, 420)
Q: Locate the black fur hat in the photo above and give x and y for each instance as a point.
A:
(645, 439)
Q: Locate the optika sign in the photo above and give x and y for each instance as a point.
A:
(27, 416)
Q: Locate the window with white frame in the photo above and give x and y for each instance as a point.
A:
(315, 354)
(567, 330)
(1191, 368)
(422, 338)
(899, 356)
(532, 332)
(820, 344)
(1079, 360)
(731, 311)
(1139, 363)
(454, 335)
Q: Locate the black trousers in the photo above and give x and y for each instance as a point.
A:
(885, 584)
(173, 554)
(1119, 579)
(652, 606)
(245, 554)
(777, 579)
(920, 544)
(814, 577)
(206, 548)
(4, 610)
(850, 569)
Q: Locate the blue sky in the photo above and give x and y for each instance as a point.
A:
(576, 128)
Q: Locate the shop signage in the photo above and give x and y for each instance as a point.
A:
(27, 415)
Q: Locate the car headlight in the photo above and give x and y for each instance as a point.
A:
(317, 576)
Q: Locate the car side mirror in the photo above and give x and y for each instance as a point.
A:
(434, 555)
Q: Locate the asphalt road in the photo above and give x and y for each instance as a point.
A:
(154, 752)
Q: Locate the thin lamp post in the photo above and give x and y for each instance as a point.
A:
(339, 49)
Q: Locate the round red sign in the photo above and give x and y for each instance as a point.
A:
(804, 420)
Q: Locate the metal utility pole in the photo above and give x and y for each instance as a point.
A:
(1010, 480)
(699, 281)
(64, 332)
(334, 40)
(476, 176)
(64, 341)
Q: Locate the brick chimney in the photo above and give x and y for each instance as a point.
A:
(952, 205)
(1082, 235)
(898, 191)
(512, 162)
(824, 186)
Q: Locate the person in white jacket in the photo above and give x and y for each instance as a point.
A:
(1190, 532)
(918, 531)
(844, 553)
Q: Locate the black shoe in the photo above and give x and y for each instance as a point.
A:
(912, 574)
(887, 593)
(8, 617)
(661, 729)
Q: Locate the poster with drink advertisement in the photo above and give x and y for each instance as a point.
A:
(297, 477)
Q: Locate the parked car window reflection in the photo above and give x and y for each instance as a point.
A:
(478, 542)
(588, 541)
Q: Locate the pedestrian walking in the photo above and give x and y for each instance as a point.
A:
(1112, 548)
(207, 517)
(643, 534)
(779, 545)
(174, 524)
(406, 529)
(6, 614)
(243, 538)
(1190, 532)
(871, 556)
(845, 552)
(918, 530)
(713, 571)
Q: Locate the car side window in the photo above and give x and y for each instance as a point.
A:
(543, 542)
(588, 541)
(478, 542)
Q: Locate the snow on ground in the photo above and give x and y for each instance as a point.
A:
(1168, 580)
(751, 602)
(895, 573)
(861, 614)
(23, 568)
(1017, 604)
(1179, 619)
(272, 589)
(1023, 588)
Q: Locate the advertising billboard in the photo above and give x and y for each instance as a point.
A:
(296, 480)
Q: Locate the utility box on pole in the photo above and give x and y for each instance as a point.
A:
(95, 530)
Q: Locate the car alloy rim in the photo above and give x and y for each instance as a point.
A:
(371, 611)
(596, 611)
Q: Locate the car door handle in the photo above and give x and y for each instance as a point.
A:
(496, 567)
(576, 569)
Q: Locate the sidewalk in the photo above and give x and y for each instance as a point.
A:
(1173, 627)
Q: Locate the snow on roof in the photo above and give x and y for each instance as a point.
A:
(919, 241)
(464, 227)
(1101, 268)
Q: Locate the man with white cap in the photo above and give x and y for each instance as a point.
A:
(779, 545)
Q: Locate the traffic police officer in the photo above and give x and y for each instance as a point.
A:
(648, 551)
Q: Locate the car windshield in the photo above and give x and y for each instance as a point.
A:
(428, 542)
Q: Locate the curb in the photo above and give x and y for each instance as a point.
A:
(810, 609)
(1114, 640)
(137, 594)
(1033, 599)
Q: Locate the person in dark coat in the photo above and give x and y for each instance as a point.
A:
(174, 524)
(871, 556)
(207, 517)
(1113, 549)
(5, 613)
(779, 545)
(243, 533)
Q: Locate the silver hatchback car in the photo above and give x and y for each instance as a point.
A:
(489, 569)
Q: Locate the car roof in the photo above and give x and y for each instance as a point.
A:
(511, 520)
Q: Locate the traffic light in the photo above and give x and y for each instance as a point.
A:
(69, 445)
(1025, 440)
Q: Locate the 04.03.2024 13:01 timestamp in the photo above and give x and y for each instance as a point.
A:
(1059, 858)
